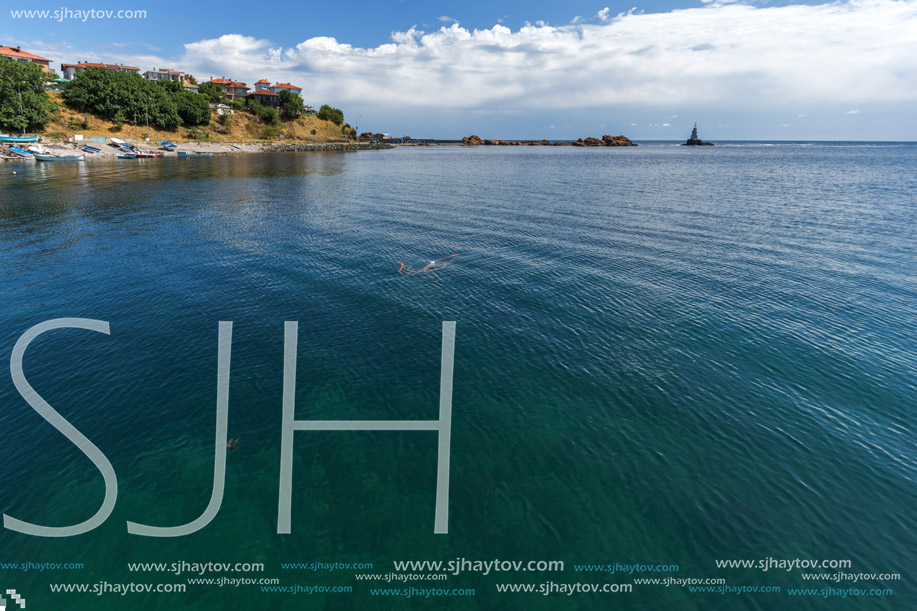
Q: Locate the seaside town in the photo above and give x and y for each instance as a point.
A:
(221, 115)
(89, 110)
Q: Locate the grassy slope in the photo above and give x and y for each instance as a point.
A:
(298, 130)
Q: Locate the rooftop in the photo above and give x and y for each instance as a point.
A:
(94, 65)
(18, 52)
(264, 92)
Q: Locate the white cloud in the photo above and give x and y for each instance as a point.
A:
(666, 124)
(719, 57)
(853, 112)
(446, 19)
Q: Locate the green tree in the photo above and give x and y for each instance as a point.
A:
(212, 92)
(291, 105)
(192, 108)
(171, 86)
(23, 83)
(327, 113)
(122, 97)
(270, 116)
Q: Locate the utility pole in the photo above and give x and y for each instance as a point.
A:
(148, 119)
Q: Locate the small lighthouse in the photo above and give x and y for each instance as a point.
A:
(694, 140)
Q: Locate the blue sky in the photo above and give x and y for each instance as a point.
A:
(513, 69)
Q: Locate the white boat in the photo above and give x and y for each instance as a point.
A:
(60, 157)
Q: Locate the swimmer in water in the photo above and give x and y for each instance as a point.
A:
(434, 265)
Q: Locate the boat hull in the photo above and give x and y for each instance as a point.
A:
(19, 139)
(60, 158)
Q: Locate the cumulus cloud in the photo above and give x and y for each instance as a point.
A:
(720, 57)
(852, 52)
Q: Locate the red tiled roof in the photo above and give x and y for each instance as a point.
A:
(286, 86)
(264, 80)
(228, 83)
(93, 65)
(14, 52)
(263, 92)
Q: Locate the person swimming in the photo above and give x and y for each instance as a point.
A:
(432, 266)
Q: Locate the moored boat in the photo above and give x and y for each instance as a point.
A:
(126, 156)
(18, 139)
(60, 157)
(21, 152)
(193, 154)
(90, 149)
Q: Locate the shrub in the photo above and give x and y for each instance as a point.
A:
(327, 113)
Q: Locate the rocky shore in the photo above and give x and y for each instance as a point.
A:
(55, 147)
(331, 146)
(605, 140)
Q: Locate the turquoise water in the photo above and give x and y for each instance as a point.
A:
(663, 356)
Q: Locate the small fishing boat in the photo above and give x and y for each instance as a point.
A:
(126, 156)
(145, 155)
(117, 141)
(60, 157)
(21, 152)
(90, 149)
(18, 139)
(168, 145)
(193, 154)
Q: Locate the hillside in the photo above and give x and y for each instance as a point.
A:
(239, 127)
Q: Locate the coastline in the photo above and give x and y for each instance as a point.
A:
(108, 152)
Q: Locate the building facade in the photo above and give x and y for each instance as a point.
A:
(163, 74)
(71, 70)
(24, 57)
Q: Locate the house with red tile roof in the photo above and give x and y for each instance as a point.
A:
(163, 74)
(24, 57)
(71, 70)
(268, 98)
(262, 84)
(233, 89)
(285, 86)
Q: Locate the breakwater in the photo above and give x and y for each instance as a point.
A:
(328, 146)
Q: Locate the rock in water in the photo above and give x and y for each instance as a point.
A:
(694, 140)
